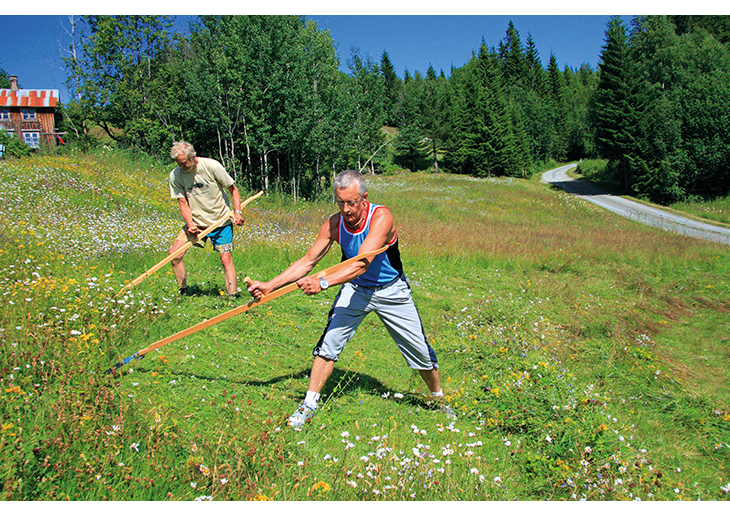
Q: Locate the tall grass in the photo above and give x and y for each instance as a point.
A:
(583, 354)
(717, 210)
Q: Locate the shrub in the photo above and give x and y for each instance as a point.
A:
(13, 146)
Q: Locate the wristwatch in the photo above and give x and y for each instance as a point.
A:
(323, 284)
(237, 211)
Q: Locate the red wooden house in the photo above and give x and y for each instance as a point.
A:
(29, 115)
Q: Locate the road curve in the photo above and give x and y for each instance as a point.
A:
(633, 210)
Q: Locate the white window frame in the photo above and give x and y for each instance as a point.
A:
(29, 115)
(4, 115)
(32, 138)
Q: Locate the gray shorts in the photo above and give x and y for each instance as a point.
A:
(395, 307)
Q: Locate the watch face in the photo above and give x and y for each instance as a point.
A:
(323, 284)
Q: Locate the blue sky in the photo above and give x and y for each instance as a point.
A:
(416, 42)
(31, 46)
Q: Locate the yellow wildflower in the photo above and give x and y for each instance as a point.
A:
(319, 488)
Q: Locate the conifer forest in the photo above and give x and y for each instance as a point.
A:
(265, 95)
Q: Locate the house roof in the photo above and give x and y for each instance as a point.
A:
(28, 98)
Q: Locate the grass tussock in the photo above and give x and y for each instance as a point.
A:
(584, 355)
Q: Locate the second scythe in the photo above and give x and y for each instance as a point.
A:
(238, 310)
(185, 247)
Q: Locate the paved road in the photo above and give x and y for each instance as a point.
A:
(634, 210)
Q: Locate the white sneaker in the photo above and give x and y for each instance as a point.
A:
(303, 414)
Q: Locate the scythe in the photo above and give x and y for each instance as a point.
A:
(238, 310)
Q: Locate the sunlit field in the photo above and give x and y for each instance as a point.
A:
(585, 356)
(717, 209)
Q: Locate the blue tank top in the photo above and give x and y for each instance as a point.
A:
(385, 267)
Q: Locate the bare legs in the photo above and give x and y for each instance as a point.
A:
(229, 272)
(432, 379)
(321, 370)
(181, 274)
(178, 265)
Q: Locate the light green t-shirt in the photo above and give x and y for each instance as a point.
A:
(205, 189)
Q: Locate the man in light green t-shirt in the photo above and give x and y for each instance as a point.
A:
(199, 185)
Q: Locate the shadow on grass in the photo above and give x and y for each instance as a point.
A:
(341, 382)
(208, 290)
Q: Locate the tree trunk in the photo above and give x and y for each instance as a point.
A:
(435, 157)
(265, 171)
(318, 184)
(249, 172)
(278, 175)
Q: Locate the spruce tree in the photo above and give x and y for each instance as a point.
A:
(517, 150)
(392, 86)
(616, 107)
(511, 54)
(557, 101)
(533, 67)
(463, 145)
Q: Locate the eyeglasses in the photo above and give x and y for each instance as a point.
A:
(351, 204)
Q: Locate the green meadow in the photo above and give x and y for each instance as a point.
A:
(585, 356)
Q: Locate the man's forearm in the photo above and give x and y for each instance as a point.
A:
(293, 273)
(235, 197)
(187, 213)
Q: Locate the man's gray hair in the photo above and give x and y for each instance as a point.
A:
(182, 148)
(345, 178)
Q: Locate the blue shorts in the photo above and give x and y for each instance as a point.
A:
(221, 238)
(394, 306)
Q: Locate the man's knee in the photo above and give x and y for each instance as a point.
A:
(324, 361)
(227, 260)
(178, 258)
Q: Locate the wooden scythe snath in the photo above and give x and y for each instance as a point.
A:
(238, 310)
(185, 247)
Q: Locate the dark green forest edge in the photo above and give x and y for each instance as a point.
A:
(265, 96)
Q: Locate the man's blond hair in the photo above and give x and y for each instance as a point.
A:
(182, 148)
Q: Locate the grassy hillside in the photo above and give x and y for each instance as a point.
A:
(586, 356)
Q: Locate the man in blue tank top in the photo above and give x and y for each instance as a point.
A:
(375, 284)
